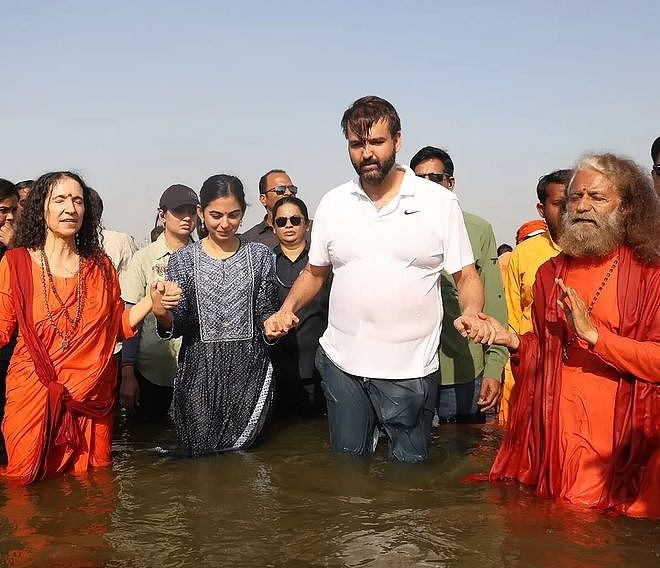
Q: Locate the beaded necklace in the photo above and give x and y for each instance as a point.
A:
(81, 293)
(564, 349)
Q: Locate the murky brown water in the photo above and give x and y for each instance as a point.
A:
(290, 502)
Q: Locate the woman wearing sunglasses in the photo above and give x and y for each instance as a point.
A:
(298, 384)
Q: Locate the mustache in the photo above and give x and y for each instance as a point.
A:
(573, 218)
(371, 162)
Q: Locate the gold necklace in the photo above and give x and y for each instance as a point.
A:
(564, 349)
(81, 293)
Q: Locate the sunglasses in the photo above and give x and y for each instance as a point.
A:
(656, 170)
(435, 178)
(282, 189)
(281, 222)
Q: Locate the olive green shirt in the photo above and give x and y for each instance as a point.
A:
(156, 359)
(461, 361)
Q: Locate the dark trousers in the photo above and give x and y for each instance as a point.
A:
(458, 403)
(155, 400)
(357, 406)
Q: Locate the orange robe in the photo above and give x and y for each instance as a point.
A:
(45, 439)
(588, 429)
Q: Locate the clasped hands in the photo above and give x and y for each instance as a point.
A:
(482, 328)
(165, 295)
(279, 324)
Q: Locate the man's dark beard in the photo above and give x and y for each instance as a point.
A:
(376, 176)
(588, 240)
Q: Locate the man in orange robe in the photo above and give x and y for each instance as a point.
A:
(585, 420)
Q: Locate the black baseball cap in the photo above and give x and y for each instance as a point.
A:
(176, 196)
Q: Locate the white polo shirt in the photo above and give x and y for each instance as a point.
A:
(385, 309)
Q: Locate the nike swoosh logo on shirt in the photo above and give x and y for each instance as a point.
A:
(410, 212)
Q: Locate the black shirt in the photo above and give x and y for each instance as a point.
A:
(293, 355)
(262, 233)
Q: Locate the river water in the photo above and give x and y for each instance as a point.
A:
(290, 502)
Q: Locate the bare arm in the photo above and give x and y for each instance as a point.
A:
(470, 290)
(305, 288)
(139, 311)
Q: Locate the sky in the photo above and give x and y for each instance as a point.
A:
(136, 96)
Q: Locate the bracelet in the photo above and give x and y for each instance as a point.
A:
(127, 364)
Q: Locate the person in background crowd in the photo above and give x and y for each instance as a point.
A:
(8, 213)
(470, 375)
(525, 260)
(223, 388)
(149, 364)
(585, 421)
(655, 170)
(386, 236)
(530, 229)
(23, 188)
(273, 186)
(503, 255)
(297, 381)
(120, 247)
(61, 289)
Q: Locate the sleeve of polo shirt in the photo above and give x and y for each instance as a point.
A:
(318, 247)
(458, 251)
(134, 286)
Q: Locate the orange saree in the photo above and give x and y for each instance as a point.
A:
(58, 415)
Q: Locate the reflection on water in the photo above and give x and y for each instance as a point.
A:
(290, 502)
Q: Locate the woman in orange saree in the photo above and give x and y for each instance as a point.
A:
(62, 291)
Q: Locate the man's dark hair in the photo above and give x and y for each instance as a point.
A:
(25, 184)
(655, 151)
(562, 177)
(504, 248)
(7, 189)
(433, 153)
(263, 182)
(365, 112)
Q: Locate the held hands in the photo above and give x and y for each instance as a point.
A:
(576, 313)
(485, 329)
(279, 324)
(165, 295)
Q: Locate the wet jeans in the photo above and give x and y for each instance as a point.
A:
(458, 403)
(358, 406)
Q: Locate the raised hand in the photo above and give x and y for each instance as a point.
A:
(165, 295)
(576, 312)
(7, 234)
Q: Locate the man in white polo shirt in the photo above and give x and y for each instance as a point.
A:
(387, 235)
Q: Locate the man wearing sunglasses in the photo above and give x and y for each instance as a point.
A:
(470, 375)
(386, 235)
(273, 186)
(655, 171)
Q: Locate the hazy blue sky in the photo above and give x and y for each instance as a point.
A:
(139, 95)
